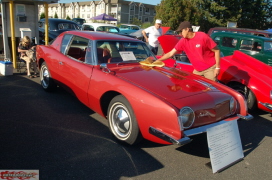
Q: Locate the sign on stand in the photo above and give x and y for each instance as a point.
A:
(225, 146)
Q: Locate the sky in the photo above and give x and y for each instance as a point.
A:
(152, 2)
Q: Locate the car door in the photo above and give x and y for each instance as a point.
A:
(74, 69)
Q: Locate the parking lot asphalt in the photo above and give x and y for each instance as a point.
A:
(63, 139)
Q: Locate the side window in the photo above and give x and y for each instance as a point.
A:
(246, 44)
(216, 40)
(65, 41)
(78, 47)
(229, 42)
(256, 46)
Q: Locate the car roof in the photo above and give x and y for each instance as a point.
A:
(58, 20)
(99, 24)
(130, 25)
(93, 35)
(241, 29)
(240, 35)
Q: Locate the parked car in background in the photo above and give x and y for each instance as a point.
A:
(255, 32)
(103, 27)
(128, 28)
(56, 27)
(79, 21)
(164, 105)
(241, 72)
(255, 46)
(100, 27)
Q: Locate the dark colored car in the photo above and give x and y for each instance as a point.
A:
(79, 21)
(255, 46)
(255, 32)
(56, 27)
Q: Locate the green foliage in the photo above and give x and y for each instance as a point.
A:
(146, 25)
(42, 15)
(254, 14)
(68, 17)
(136, 21)
(56, 16)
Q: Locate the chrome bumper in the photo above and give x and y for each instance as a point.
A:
(268, 106)
(191, 132)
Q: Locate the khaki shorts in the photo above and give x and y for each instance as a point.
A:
(208, 73)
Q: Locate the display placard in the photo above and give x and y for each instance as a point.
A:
(225, 146)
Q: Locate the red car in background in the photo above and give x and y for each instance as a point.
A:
(161, 104)
(249, 76)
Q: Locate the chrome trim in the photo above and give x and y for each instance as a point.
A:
(268, 106)
(165, 137)
(105, 68)
(191, 132)
(247, 117)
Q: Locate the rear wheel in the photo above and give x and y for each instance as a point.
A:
(122, 121)
(46, 81)
(248, 94)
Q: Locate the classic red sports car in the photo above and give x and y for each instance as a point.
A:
(161, 104)
(249, 76)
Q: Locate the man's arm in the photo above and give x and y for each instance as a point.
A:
(168, 55)
(145, 36)
(217, 60)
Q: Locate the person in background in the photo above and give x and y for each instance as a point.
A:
(27, 52)
(201, 50)
(153, 33)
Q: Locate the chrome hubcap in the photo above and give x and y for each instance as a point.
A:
(120, 120)
(45, 77)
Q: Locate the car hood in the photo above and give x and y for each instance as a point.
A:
(168, 42)
(173, 83)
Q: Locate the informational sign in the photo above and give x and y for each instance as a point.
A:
(127, 55)
(225, 146)
(20, 10)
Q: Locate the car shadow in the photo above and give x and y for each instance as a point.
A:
(57, 135)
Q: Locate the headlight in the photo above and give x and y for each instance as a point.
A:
(233, 105)
(186, 117)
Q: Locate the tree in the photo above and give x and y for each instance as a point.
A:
(56, 16)
(42, 15)
(68, 17)
(172, 12)
(136, 21)
(254, 14)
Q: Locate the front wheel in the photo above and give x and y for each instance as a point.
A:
(249, 96)
(122, 121)
(46, 81)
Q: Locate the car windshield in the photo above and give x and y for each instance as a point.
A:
(123, 51)
(111, 29)
(268, 46)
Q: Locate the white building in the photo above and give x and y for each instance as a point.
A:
(123, 11)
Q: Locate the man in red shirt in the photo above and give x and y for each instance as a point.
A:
(201, 50)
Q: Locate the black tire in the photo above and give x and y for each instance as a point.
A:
(249, 96)
(47, 82)
(122, 121)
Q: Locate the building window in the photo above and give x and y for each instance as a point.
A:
(130, 18)
(147, 10)
(132, 7)
(146, 19)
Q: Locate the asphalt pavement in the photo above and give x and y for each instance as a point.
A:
(63, 139)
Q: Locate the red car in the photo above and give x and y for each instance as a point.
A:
(249, 76)
(161, 104)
